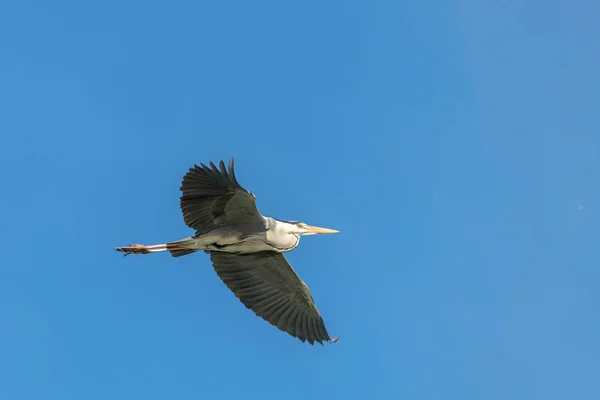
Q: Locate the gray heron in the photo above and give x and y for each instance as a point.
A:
(246, 250)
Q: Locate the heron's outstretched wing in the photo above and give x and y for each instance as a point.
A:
(212, 197)
(266, 283)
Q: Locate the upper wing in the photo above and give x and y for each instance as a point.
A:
(266, 283)
(212, 198)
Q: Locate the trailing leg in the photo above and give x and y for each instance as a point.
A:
(177, 249)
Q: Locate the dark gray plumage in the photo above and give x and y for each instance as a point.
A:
(266, 283)
(213, 198)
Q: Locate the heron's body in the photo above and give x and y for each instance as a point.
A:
(246, 249)
(239, 240)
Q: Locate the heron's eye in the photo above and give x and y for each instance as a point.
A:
(299, 224)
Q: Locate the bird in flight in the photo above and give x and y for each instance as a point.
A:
(246, 250)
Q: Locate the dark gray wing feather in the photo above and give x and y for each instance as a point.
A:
(267, 284)
(212, 197)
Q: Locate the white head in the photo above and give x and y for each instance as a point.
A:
(302, 229)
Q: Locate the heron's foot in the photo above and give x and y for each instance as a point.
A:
(133, 249)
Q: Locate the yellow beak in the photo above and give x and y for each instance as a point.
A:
(316, 229)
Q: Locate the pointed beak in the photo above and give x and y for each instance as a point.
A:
(316, 229)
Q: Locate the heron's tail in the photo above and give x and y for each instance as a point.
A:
(179, 253)
(177, 249)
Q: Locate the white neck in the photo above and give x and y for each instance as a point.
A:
(281, 235)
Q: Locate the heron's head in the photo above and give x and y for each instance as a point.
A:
(300, 228)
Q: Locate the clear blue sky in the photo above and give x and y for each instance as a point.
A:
(455, 145)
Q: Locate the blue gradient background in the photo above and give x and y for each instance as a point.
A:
(455, 145)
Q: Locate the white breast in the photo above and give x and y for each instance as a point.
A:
(282, 242)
